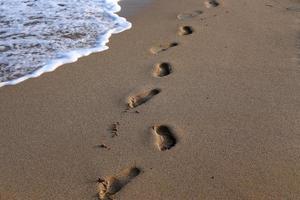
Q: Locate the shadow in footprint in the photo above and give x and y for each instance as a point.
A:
(163, 47)
(185, 30)
(162, 69)
(109, 186)
(165, 138)
(183, 16)
(211, 3)
(141, 98)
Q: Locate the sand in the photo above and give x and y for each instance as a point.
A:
(216, 116)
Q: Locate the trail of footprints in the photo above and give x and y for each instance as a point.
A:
(165, 136)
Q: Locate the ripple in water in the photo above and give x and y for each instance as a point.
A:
(37, 36)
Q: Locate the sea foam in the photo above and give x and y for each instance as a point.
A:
(37, 36)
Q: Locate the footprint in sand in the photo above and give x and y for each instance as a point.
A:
(109, 186)
(141, 98)
(183, 16)
(294, 8)
(185, 30)
(163, 47)
(164, 136)
(114, 128)
(211, 3)
(162, 69)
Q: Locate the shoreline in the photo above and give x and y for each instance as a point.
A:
(220, 87)
(131, 8)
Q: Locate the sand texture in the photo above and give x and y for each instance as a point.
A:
(200, 100)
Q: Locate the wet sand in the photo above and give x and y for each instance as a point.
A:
(196, 101)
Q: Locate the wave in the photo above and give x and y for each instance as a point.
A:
(38, 36)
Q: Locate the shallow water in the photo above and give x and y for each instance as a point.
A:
(37, 36)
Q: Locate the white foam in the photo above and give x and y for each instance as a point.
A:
(39, 36)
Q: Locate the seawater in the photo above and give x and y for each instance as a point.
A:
(37, 36)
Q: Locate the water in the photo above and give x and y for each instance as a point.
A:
(37, 36)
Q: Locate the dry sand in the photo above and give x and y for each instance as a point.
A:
(209, 112)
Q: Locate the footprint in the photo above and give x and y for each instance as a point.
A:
(141, 98)
(163, 47)
(211, 3)
(165, 138)
(114, 128)
(294, 8)
(109, 186)
(103, 146)
(183, 16)
(185, 30)
(162, 69)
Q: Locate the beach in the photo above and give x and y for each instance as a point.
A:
(195, 101)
